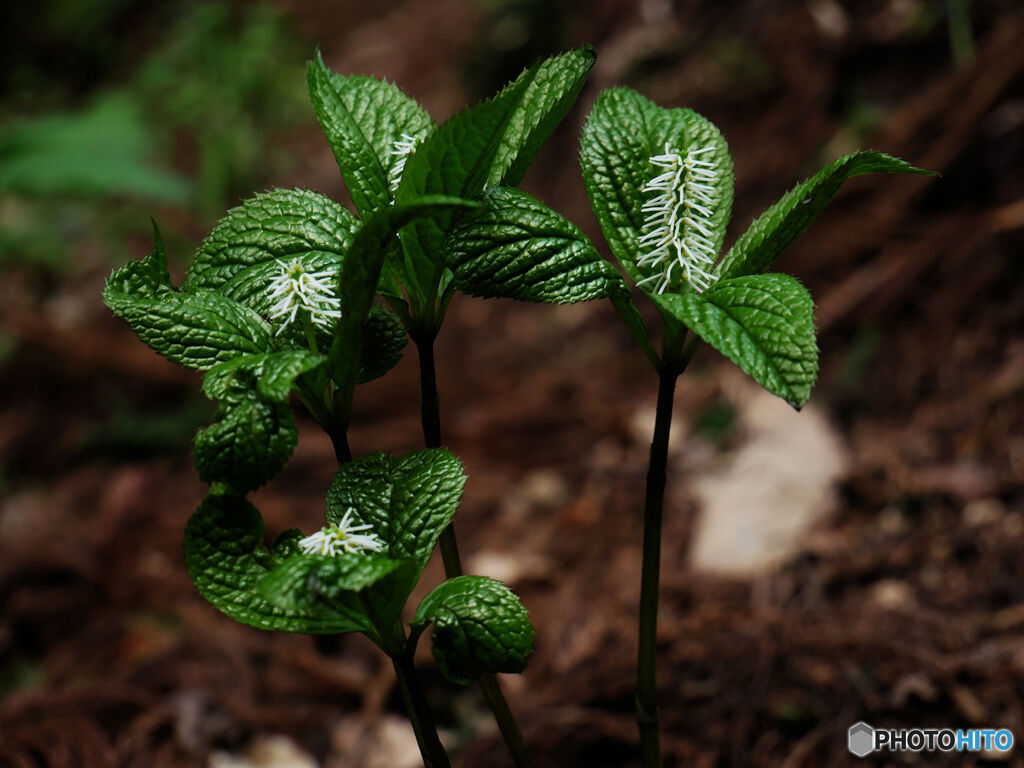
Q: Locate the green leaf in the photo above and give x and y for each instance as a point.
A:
(382, 340)
(197, 329)
(408, 500)
(479, 626)
(273, 376)
(360, 276)
(454, 160)
(248, 443)
(148, 276)
(253, 433)
(623, 132)
(226, 559)
(551, 93)
(771, 233)
(304, 582)
(514, 246)
(240, 255)
(362, 118)
(764, 324)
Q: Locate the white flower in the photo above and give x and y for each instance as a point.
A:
(677, 223)
(343, 538)
(402, 148)
(297, 290)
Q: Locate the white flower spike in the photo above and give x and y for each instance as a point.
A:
(677, 219)
(297, 290)
(343, 538)
(402, 148)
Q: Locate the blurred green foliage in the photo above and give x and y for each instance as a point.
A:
(188, 122)
(101, 151)
(225, 83)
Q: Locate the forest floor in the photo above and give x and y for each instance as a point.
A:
(898, 601)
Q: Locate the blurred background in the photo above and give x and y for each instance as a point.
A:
(858, 561)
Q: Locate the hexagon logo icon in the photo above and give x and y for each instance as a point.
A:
(860, 739)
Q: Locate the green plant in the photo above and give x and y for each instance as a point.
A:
(660, 182)
(280, 301)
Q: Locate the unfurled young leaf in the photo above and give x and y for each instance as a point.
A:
(243, 251)
(515, 247)
(271, 376)
(227, 559)
(455, 160)
(197, 329)
(552, 91)
(486, 145)
(771, 233)
(360, 276)
(660, 182)
(479, 626)
(249, 442)
(365, 121)
(345, 583)
(764, 324)
(253, 433)
(408, 500)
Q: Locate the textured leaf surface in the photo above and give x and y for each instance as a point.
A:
(240, 255)
(479, 626)
(273, 376)
(772, 232)
(408, 500)
(198, 329)
(764, 324)
(515, 247)
(551, 93)
(360, 276)
(303, 583)
(382, 340)
(455, 160)
(621, 135)
(253, 433)
(226, 559)
(145, 277)
(362, 117)
(248, 443)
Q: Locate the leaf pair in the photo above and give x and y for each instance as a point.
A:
(490, 144)
(764, 323)
(407, 501)
(198, 329)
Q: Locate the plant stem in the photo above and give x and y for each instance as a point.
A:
(420, 715)
(342, 452)
(430, 416)
(506, 720)
(647, 690)
(393, 641)
(430, 412)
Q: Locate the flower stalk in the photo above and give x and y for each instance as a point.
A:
(430, 412)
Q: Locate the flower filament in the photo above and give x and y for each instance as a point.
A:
(677, 219)
(297, 291)
(402, 149)
(342, 538)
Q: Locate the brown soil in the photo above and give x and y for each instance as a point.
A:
(906, 608)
